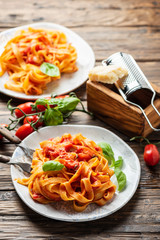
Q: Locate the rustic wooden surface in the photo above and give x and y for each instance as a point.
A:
(108, 26)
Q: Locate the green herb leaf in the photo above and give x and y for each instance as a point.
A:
(52, 166)
(52, 117)
(119, 162)
(121, 178)
(107, 152)
(41, 101)
(68, 104)
(50, 69)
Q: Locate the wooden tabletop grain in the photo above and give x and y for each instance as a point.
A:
(108, 26)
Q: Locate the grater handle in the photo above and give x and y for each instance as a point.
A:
(152, 103)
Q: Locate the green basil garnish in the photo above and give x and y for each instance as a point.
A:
(50, 69)
(53, 117)
(52, 166)
(119, 162)
(121, 178)
(109, 155)
(107, 152)
(67, 104)
(41, 101)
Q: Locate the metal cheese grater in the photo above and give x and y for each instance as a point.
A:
(134, 81)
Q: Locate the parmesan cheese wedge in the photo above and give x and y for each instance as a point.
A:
(107, 74)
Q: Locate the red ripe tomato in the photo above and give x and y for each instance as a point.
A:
(38, 47)
(33, 118)
(30, 60)
(25, 107)
(72, 165)
(61, 97)
(24, 131)
(4, 125)
(151, 154)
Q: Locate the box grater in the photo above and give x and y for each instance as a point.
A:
(135, 80)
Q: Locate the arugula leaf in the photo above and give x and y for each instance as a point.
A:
(119, 162)
(107, 152)
(52, 166)
(121, 178)
(50, 69)
(52, 117)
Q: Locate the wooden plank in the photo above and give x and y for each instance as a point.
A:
(139, 215)
(116, 13)
(140, 42)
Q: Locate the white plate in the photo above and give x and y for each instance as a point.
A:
(68, 82)
(64, 210)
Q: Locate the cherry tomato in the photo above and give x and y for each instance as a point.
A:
(33, 118)
(151, 154)
(4, 125)
(39, 47)
(24, 131)
(62, 96)
(30, 60)
(72, 165)
(25, 107)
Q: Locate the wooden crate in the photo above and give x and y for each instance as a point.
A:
(108, 105)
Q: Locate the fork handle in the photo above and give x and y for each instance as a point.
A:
(4, 159)
(9, 135)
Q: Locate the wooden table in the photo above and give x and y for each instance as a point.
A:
(108, 26)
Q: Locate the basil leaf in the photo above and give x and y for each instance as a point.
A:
(52, 166)
(68, 104)
(41, 101)
(54, 101)
(119, 162)
(52, 117)
(50, 69)
(107, 152)
(121, 178)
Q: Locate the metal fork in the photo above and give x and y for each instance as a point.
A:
(27, 151)
(23, 165)
(26, 167)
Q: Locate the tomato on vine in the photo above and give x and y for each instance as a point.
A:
(24, 107)
(33, 119)
(24, 130)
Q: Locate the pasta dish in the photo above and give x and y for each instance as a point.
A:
(27, 51)
(84, 179)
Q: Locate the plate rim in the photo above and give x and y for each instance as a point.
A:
(27, 97)
(89, 218)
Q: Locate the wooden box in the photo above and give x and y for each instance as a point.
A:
(105, 102)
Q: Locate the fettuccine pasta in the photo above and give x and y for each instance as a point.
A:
(85, 178)
(24, 54)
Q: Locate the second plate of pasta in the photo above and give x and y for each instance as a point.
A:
(24, 49)
(68, 210)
